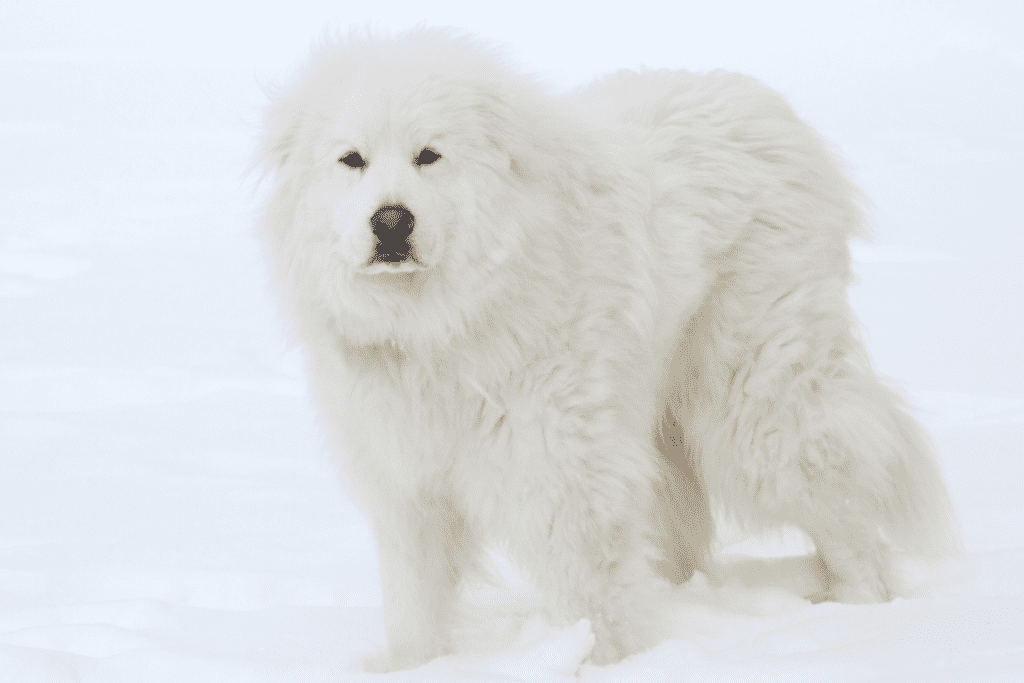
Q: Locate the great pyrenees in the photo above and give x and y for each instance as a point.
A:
(576, 324)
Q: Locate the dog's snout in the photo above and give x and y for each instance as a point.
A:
(392, 225)
(388, 221)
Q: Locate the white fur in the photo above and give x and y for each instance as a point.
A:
(629, 308)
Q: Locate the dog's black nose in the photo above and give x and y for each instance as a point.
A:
(392, 225)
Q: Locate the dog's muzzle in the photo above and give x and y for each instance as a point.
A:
(392, 226)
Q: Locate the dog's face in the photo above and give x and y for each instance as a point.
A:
(399, 200)
(387, 179)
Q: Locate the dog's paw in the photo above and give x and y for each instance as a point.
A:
(390, 659)
(544, 653)
(860, 594)
(386, 660)
(377, 662)
(855, 582)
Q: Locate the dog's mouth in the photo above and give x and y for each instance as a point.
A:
(391, 267)
(389, 251)
(394, 250)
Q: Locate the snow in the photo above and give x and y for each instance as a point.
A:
(167, 509)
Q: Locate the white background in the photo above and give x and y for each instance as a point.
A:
(166, 508)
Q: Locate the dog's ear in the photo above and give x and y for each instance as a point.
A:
(510, 131)
(281, 135)
(538, 143)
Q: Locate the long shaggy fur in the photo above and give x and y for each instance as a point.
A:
(623, 308)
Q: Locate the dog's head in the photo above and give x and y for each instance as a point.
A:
(402, 203)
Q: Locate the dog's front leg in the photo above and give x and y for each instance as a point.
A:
(582, 530)
(421, 546)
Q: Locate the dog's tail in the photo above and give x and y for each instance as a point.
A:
(920, 514)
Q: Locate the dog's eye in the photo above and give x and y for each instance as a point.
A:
(426, 157)
(353, 160)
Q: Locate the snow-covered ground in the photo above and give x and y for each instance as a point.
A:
(167, 512)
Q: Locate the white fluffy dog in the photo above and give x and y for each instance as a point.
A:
(577, 324)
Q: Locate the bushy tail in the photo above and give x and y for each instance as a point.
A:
(920, 517)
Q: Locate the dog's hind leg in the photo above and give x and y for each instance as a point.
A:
(800, 431)
(682, 513)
